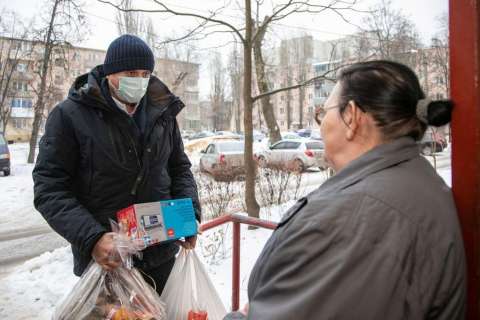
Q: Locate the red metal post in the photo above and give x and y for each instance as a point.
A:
(237, 221)
(236, 267)
(465, 90)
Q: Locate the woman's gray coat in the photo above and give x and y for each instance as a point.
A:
(380, 240)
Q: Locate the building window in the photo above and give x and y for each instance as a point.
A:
(439, 96)
(59, 62)
(310, 109)
(282, 110)
(310, 96)
(21, 67)
(58, 79)
(282, 98)
(282, 123)
(19, 123)
(439, 80)
(20, 86)
(21, 103)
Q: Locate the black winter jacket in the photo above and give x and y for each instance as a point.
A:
(94, 160)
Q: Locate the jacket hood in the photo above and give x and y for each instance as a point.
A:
(87, 91)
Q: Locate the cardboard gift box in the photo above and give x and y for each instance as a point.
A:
(157, 222)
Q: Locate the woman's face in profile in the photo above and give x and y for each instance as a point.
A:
(332, 127)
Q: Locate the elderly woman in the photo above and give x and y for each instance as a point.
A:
(380, 239)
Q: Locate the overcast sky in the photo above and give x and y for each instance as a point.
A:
(325, 26)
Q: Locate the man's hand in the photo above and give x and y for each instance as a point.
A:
(104, 252)
(189, 243)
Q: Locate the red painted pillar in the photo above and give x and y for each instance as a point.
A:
(465, 91)
(236, 267)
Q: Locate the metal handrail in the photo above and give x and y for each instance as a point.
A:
(236, 219)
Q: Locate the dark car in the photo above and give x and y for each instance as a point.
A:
(432, 142)
(4, 156)
(304, 133)
(201, 135)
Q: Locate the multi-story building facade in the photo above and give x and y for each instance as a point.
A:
(67, 64)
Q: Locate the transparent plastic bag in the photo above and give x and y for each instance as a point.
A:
(189, 294)
(121, 294)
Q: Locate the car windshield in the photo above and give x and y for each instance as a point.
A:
(293, 145)
(2, 140)
(231, 147)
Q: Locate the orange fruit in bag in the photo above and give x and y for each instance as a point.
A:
(123, 314)
(197, 315)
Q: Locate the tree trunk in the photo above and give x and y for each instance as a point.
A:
(301, 91)
(253, 209)
(301, 100)
(289, 101)
(40, 105)
(262, 83)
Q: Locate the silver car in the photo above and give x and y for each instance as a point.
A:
(223, 158)
(293, 155)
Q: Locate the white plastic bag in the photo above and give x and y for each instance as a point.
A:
(189, 290)
(120, 294)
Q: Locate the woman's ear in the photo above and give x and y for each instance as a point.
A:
(352, 118)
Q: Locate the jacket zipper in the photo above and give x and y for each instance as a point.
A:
(140, 174)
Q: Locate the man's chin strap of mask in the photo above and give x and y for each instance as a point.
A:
(132, 89)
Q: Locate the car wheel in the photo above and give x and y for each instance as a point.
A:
(6, 172)
(202, 168)
(438, 147)
(427, 150)
(298, 166)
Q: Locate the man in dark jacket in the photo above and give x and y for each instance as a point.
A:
(112, 143)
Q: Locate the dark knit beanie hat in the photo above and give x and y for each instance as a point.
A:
(128, 52)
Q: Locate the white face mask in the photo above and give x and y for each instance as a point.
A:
(132, 89)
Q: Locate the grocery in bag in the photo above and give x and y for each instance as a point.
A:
(189, 294)
(120, 294)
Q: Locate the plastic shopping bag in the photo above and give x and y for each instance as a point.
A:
(189, 294)
(121, 294)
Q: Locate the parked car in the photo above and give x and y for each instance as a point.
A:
(202, 134)
(432, 142)
(293, 155)
(316, 135)
(223, 159)
(224, 133)
(258, 136)
(304, 133)
(4, 156)
(290, 136)
(186, 134)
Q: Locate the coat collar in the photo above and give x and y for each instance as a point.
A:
(377, 159)
(87, 90)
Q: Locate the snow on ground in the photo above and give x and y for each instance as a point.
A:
(38, 285)
(19, 213)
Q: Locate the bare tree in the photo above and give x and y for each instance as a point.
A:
(235, 73)
(441, 52)
(12, 51)
(248, 34)
(303, 53)
(136, 23)
(63, 21)
(285, 71)
(388, 34)
(217, 92)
